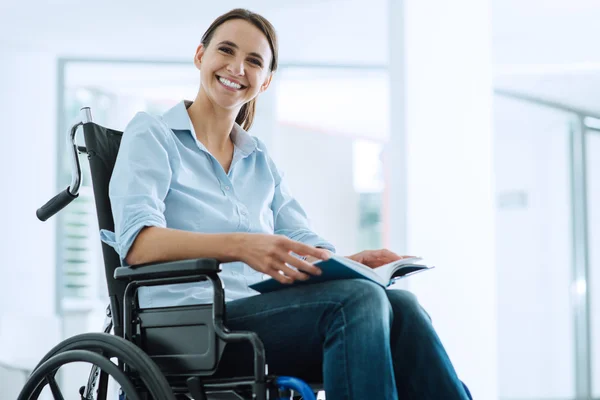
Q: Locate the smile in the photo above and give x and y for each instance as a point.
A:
(229, 84)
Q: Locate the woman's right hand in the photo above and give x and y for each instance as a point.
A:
(270, 255)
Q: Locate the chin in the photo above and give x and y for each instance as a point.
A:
(225, 104)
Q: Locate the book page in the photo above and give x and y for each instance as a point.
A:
(386, 271)
(360, 268)
(380, 274)
(355, 263)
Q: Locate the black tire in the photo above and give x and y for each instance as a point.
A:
(38, 377)
(114, 346)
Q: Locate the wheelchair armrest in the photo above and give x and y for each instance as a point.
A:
(169, 269)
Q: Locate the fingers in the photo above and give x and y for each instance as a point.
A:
(286, 268)
(301, 265)
(306, 250)
(389, 254)
(275, 274)
(292, 273)
(284, 274)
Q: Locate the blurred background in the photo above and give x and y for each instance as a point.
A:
(465, 132)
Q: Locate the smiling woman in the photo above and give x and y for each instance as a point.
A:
(241, 55)
(192, 183)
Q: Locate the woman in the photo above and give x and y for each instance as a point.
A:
(193, 183)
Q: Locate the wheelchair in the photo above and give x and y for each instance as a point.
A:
(161, 353)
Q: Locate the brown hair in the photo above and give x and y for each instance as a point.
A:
(246, 115)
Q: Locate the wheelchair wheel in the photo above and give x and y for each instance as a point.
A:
(108, 346)
(45, 374)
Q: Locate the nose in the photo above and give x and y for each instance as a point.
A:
(236, 67)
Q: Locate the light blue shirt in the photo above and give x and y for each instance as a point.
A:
(164, 176)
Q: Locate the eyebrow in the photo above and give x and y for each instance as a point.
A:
(235, 46)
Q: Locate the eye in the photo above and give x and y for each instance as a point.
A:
(226, 50)
(256, 62)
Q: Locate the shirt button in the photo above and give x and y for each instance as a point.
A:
(226, 187)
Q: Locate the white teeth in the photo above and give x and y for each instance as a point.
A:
(227, 82)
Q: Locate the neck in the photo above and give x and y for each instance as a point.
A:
(212, 124)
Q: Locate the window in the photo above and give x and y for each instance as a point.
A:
(114, 92)
(370, 185)
(593, 202)
(346, 123)
(333, 124)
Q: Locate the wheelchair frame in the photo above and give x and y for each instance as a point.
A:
(263, 386)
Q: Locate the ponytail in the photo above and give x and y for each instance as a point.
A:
(246, 115)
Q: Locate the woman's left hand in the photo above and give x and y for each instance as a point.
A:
(376, 258)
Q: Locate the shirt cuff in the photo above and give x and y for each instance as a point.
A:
(123, 244)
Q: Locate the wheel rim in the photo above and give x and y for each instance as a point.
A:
(39, 378)
(113, 346)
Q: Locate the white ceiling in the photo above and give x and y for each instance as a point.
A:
(548, 49)
(545, 31)
(574, 88)
(162, 29)
(544, 47)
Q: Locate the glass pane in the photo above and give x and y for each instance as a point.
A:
(534, 258)
(344, 129)
(115, 92)
(593, 203)
(369, 184)
(347, 101)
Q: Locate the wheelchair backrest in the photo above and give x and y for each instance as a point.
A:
(102, 146)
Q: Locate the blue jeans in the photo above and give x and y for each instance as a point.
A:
(361, 341)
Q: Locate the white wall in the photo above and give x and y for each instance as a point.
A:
(27, 162)
(535, 323)
(27, 178)
(11, 382)
(442, 104)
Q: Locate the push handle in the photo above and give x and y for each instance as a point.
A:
(65, 197)
(55, 204)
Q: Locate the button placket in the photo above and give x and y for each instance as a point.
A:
(226, 188)
(244, 220)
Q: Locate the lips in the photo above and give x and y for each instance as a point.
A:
(242, 87)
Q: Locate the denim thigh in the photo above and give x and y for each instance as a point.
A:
(293, 323)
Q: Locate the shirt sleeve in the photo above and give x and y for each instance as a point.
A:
(289, 217)
(139, 183)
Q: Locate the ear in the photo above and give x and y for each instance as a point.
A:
(267, 82)
(198, 56)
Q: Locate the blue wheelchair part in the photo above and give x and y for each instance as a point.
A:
(298, 385)
(468, 391)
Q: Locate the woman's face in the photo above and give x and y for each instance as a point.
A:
(234, 68)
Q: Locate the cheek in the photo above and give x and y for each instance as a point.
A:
(257, 81)
(209, 68)
(205, 73)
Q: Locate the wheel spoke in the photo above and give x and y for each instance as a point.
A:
(105, 346)
(40, 374)
(102, 385)
(56, 393)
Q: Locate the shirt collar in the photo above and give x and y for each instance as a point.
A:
(177, 118)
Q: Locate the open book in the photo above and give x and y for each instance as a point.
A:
(338, 267)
